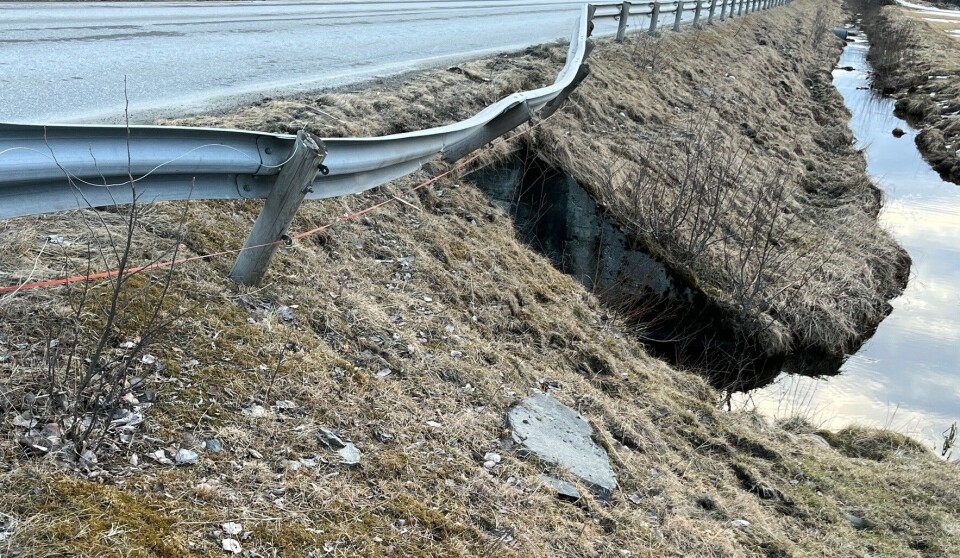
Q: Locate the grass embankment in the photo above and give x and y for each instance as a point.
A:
(918, 63)
(413, 329)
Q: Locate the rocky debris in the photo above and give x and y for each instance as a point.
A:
(349, 454)
(88, 458)
(285, 405)
(858, 522)
(739, 523)
(382, 436)
(8, 526)
(160, 457)
(286, 313)
(231, 528)
(231, 545)
(255, 411)
(491, 459)
(556, 434)
(186, 457)
(213, 445)
(565, 490)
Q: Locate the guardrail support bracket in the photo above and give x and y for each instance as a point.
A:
(292, 185)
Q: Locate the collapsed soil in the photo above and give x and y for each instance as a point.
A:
(915, 61)
(413, 329)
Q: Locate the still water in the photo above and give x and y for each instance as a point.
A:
(907, 377)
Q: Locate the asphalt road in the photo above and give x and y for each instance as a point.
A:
(66, 62)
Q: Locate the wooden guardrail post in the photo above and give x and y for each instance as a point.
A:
(622, 24)
(591, 11)
(676, 20)
(713, 7)
(740, 8)
(696, 14)
(654, 16)
(723, 10)
(293, 184)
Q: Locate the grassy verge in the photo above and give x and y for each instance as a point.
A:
(916, 62)
(413, 329)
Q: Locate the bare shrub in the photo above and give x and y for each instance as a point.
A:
(819, 27)
(98, 334)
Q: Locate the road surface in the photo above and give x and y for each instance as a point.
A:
(66, 62)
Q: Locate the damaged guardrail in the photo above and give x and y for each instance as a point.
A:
(46, 169)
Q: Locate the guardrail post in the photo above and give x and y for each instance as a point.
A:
(293, 183)
(591, 11)
(723, 10)
(696, 14)
(676, 20)
(622, 24)
(740, 8)
(654, 16)
(713, 7)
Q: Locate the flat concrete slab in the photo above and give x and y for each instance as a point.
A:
(556, 434)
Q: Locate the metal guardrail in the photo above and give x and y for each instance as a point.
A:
(697, 9)
(46, 169)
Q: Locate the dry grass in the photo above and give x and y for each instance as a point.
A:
(468, 321)
(758, 102)
(917, 63)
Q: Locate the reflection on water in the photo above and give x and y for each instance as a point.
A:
(907, 377)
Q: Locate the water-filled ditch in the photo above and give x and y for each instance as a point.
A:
(907, 376)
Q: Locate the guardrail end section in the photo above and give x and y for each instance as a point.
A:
(293, 183)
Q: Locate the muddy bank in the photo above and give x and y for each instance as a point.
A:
(917, 63)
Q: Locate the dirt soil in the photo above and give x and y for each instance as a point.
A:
(413, 329)
(917, 62)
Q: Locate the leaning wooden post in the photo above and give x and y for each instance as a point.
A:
(293, 183)
(654, 16)
(696, 14)
(624, 17)
(676, 20)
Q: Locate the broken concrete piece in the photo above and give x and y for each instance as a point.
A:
(564, 489)
(557, 435)
(349, 454)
